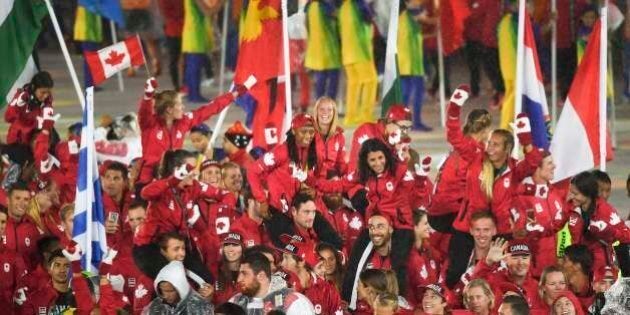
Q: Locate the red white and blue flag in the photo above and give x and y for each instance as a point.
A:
(534, 99)
(580, 141)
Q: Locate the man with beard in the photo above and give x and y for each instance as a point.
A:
(380, 247)
(306, 222)
(254, 283)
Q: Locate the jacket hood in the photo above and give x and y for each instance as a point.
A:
(175, 274)
(569, 295)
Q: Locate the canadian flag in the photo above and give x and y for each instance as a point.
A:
(581, 140)
(109, 60)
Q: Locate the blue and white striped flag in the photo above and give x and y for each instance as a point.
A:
(89, 217)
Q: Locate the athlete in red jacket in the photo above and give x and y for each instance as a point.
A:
(21, 233)
(450, 183)
(424, 263)
(116, 200)
(386, 180)
(517, 257)
(12, 268)
(164, 123)
(329, 138)
(275, 167)
(594, 222)
(543, 212)
(303, 260)
(29, 106)
(60, 293)
(490, 180)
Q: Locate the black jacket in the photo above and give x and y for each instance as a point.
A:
(402, 242)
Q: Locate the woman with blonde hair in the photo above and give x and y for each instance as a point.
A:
(478, 297)
(491, 180)
(330, 141)
(40, 210)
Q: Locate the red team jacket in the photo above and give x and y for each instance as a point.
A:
(22, 120)
(170, 207)
(475, 199)
(157, 138)
(331, 153)
(605, 227)
(274, 166)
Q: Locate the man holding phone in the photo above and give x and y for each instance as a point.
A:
(116, 199)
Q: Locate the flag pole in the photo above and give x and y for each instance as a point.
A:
(121, 84)
(603, 66)
(613, 109)
(554, 65)
(288, 115)
(518, 89)
(217, 126)
(66, 55)
(442, 92)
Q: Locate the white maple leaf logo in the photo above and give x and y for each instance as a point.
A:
(355, 224)
(269, 159)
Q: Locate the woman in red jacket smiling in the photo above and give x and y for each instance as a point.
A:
(491, 179)
(164, 123)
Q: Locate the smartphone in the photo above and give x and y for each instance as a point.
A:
(113, 217)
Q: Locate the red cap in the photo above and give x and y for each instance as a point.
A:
(518, 247)
(398, 112)
(301, 120)
(233, 238)
(304, 251)
(605, 272)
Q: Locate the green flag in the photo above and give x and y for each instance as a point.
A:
(392, 93)
(20, 24)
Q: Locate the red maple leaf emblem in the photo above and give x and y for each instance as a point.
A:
(520, 124)
(220, 226)
(114, 58)
(457, 95)
(543, 190)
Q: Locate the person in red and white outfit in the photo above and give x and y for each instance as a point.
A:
(490, 180)
(164, 123)
(30, 106)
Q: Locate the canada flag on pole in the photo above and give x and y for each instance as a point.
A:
(580, 141)
(109, 60)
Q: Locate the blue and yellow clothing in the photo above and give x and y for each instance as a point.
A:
(322, 47)
(356, 34)
(506, 34)
(194, 34)
(410, 58)
(87, 26)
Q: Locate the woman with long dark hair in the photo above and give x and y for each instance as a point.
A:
(595, 223)
(276, 166)
(227, 270)
(389, 186)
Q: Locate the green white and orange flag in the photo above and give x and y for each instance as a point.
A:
(392, 93)
(20, 24)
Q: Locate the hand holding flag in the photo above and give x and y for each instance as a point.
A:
(523, 129)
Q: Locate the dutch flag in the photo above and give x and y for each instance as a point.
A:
(89, 219)
(534, 100)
